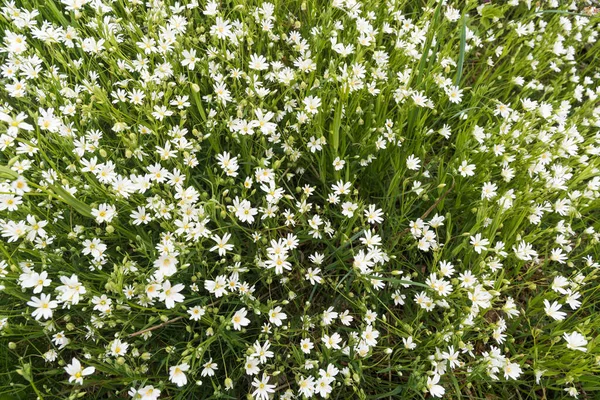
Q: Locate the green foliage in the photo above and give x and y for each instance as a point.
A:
(389, 199)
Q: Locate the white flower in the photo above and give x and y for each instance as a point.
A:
(243, 210)
(77, 372)
(480, 297)
(313, 276)
(212, 8)
(50, 355)
(576, 341)
(102, 303)
(502, 110)
(452, 357)
(433, 388)
(552, 310)
(510, 308)
(338, 164)
(572, 301)
(140, 216)
(160, 112)
(312, 104)
(373, 214)
(148, 392)
(239, 319)
(36, 281)
(452, 14)
(454, 94)
(276, 316)
(437, 221)
(218, 287)
(14, 230)
(15, 123)
(221, 29)
(262, 388)
(60, 340)
(170, 294)
(323, 386)
(370, 335)
(399, 298)
(465, 169)
(332, 342)
(209, 368)
(525, 251)
(306, 345)
(118, 348)
(413, 162)
(222, 246)
(104, 213)
(258, 62)
(95, 247)
(43, 306)
(263, 121)
(177, 374)
(559, 283)
(196, 313)
(222, 93)
(538, 375)
(71, 289)
(479, 244)
(424, 301)
(488, 191)
(314, 144)
(251, 366)
(511, 370)
(572, 391)
(228, 164)
(166, 264)
(348, 208)
(341, 188)
(307, 386)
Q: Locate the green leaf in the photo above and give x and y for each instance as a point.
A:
(335, 129)
(77, 205)
(425, 52)
(394, 392)
(25, 372)
(398, 281)
(489, 13)
(461, 54)
(198, 101)
(8, 173)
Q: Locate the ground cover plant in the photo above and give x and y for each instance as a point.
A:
(299, 199)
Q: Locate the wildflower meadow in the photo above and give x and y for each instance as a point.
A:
(296, 199)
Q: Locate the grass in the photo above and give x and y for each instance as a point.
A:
(428, 91)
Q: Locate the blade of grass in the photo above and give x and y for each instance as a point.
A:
(461, 54)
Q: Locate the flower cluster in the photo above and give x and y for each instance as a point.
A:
(204, 199)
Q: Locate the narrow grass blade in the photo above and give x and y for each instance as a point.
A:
(461, 54)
